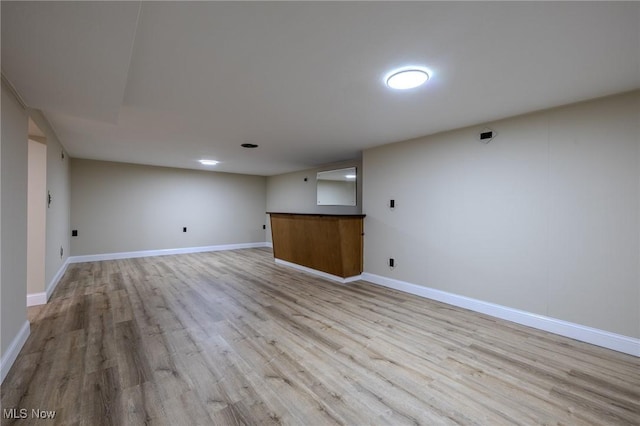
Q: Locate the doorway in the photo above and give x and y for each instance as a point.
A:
(36, 215)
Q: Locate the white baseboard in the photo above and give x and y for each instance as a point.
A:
(318, 273)
(617, 342)
(9, 357)
(34, 299)
(270, 245)
(164, 252)
(56, 278)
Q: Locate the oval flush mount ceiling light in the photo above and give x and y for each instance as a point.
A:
(208, 162)
(407, 78)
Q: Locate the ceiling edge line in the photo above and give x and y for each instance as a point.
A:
(26, 107)
(131, 50)
(53, 130)
(14, 91)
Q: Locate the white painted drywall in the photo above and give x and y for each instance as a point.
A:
(545, 218)
(36, 216)
(58, 213)
(119, 207)
(291, 193)
(13, 290)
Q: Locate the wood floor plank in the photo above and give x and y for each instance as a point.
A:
(141, 405)
(231, 338)
(100, 393)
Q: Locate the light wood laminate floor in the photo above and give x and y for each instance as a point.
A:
(232, 338)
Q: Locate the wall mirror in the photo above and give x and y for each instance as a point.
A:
(337, 187)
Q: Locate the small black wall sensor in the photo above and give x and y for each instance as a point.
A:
(392, 262)
(184, 229)
(74, 233)
(486, 135)
(392, 204)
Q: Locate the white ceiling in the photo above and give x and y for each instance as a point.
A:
(167, 83)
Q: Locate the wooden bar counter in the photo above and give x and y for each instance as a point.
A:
(326, 243)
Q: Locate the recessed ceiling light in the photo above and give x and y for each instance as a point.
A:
(208, 162)
(350, 176)
(249, 145)
(407, 78)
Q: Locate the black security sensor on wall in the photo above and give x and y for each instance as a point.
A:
(486, 135)
(249, 145)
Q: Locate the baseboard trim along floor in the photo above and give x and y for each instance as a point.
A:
(318, 273)
(163, 252)
(594, 336)
(9, 357)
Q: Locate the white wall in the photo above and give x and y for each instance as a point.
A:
(120, 207)
(545, 218)
(2, 347)
(58, 213)
(290, 193)
(36, 216)
(13, 290)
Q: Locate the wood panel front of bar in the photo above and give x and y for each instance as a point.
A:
(327, 243)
